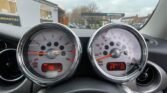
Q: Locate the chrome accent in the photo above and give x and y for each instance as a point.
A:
(12, 89)
(116, 53)
(44, 81)
(105, 75)
(127, 89)
(10, 80)
(4, 44)
(42, 91)
(158, 85)
(53, 53)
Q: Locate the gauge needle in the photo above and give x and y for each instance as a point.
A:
(104, 57)
(56, 52)
(37, 53)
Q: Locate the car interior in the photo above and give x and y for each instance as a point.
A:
(79, 47)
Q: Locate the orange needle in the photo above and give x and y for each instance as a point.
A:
(37, 53)
(104, 57)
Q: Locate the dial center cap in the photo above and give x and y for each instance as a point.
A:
(53, 53)
(116, 53)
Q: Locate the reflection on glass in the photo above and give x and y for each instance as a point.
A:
(77, 14)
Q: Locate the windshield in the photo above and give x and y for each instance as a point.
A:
(76, 14)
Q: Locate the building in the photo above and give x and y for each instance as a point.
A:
(27, 13)
(135, 19)
(95, 20)
(62, 18)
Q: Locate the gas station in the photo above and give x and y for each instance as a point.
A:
(27, 13)
(98, 19)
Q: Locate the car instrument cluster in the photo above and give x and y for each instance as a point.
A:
(50, 53)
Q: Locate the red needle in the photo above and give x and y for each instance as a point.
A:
(37, 53)
(104, 57)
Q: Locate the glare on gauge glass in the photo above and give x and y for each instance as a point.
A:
(117, 52)
(50, 53)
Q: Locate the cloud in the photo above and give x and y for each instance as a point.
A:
(68, 5)
(148, 10)
(129, 7)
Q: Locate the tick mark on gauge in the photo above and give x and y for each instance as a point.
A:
(34, 45)
(103, 37)
(52, 35)
(118, 44)
(44, 38)
(72, 51)
(61, 37)
(70, 59)
(125, 52)
(67, 43)
(97, 45)
(35, 42)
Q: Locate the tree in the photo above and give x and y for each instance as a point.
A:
(75, 15)
(92, 7)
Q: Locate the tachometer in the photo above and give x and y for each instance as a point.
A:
(48, 53)
(118, 52)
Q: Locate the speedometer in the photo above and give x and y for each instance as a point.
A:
(48, 53)
(118, 52)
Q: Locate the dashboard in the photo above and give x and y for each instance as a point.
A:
(114, 56)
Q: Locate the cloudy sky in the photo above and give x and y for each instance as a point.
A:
(129, 7)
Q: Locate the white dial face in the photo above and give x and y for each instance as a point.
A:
(117, 52)
(50, 53)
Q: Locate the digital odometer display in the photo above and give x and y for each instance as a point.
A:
(47, 67)
(116, 66)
